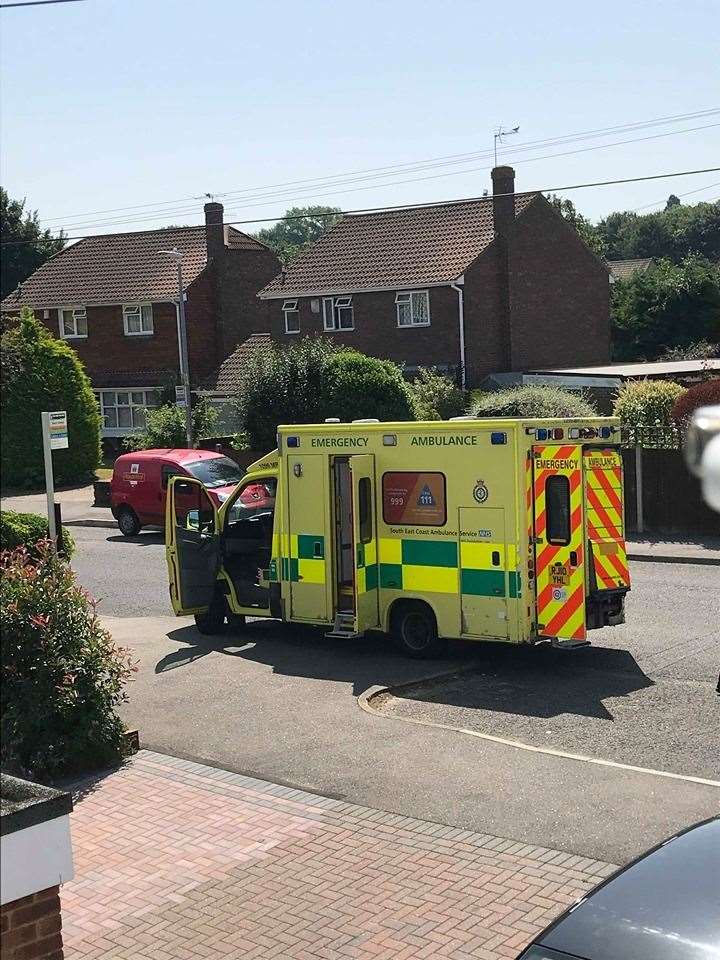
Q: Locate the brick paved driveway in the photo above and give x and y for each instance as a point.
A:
(178, 860)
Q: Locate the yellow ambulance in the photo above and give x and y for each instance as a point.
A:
(508, 530)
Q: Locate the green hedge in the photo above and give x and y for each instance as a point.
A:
(40, 372)
(436, 397)
(25, 529)
(532, 401)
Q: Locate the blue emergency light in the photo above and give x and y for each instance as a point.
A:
(606, 432)
(293, 441)
(498, 437)
(541, 433)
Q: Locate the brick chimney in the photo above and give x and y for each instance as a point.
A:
(214, 230)
(503, 179)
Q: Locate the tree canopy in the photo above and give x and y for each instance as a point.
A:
(670, 305)
(673, 233)
(289, 235)
(31, 246)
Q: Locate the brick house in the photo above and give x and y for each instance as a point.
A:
(497, 284)
(114, 299)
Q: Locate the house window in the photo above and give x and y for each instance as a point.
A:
(338, 313)
(292, 316)
(413, 308)
(138, 319)
(124, 410)
(73, 323)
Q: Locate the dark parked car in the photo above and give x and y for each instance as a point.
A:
(663, 906)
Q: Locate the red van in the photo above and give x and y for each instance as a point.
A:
(139, 483)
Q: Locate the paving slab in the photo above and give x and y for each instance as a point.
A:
(176, 859)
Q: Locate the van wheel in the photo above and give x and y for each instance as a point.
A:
(128, 522)
(212, 622)
(414, 630)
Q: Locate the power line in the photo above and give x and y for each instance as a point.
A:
(688, 193)
(436, 176)
(408, 166)
(411, 206)
(36, 3)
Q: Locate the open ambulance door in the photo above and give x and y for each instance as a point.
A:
(558, 536)
(362, 468)
(192, 545)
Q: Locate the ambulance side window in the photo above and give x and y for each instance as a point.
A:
(365, 510)
(557, 506)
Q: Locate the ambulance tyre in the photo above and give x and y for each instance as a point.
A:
(212, 622)
(128, 522)
(414, 629)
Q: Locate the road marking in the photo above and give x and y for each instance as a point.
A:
(364, 703)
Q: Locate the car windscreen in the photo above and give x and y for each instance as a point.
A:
(215, 472)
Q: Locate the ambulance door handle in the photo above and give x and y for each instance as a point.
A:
(573, 558)
(317, 550)
(496, 558)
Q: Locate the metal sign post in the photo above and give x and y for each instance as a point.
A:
(55, 437)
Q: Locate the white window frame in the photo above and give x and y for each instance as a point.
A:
(407, 298)
(138, 310)
(331, 307)
(290, 307)
(78, 313)
(151, 398)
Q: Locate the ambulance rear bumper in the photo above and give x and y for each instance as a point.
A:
(605, 608)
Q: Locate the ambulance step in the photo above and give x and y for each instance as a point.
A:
(344, 627)
(561, 644)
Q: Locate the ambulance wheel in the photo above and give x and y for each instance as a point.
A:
(414, 630)
(212, 622)
(128, 522)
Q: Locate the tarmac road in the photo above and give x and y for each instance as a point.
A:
(280, 703)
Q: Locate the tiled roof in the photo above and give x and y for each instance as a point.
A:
(393, 248)
(231, 371)
(624, 269)
(119, 268)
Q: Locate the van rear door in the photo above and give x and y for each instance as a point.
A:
(362, 468)
(558, 535)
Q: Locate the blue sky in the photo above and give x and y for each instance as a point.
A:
(111, 103)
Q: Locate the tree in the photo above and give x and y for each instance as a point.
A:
(312, 379)
(672, 201)
(165, 427)
(673, 233)
(668, 305)
(435, 396)
(706, 394)
(567, 210)
(290, 235)
(28, 246)
(532, 401)
(42, 373)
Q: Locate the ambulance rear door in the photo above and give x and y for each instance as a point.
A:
(608, 566)
(558, 540)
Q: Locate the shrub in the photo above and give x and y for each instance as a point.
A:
(282, 385)
(356, 387)
(25, 530)
(41, 373)
(533, 401)
(165, 427)
(435, 396)
(647, 402)
(704, 394)
(312, 379)
(699, 350)
(62, 676)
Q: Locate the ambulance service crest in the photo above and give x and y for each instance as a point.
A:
(481, 492)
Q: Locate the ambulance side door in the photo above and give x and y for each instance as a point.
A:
(362, 468)
(192, 545)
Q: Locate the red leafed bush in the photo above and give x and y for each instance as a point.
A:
(62, 676)
(705, 394)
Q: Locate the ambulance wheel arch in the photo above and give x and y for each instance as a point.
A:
(413, 627)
